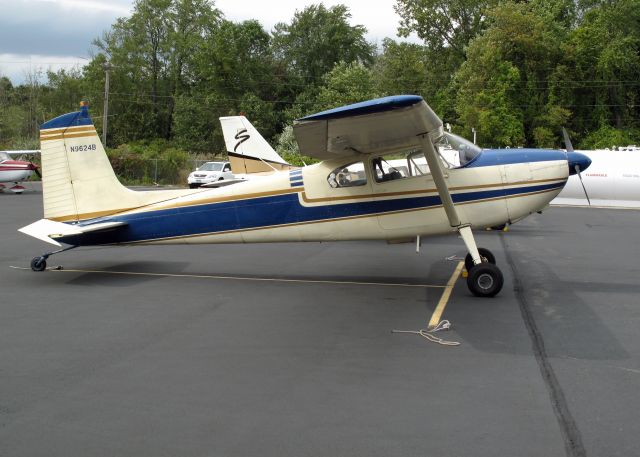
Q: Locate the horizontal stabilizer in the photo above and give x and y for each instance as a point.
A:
(224, 182)
(47, 230)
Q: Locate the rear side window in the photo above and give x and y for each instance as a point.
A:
(348, 176)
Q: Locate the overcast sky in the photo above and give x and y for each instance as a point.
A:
(53, 34)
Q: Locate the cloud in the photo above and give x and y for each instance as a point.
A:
(64, 27)
(378, 17)
(17, 66)
(122, 8)
(48, 29)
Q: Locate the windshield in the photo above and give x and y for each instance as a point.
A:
(457, 150)
(4, 156)
(211, 166)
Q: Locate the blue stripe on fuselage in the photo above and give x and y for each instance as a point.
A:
(264, 212)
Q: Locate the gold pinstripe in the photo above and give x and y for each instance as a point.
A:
(69, 135)
(82, 128)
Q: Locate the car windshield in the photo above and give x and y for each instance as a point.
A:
(4, 156)
(457, 150)
(211, 166)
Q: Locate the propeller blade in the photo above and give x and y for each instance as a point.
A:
(567, 141)
(577, 167)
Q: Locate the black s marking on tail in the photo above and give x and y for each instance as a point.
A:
(241, 136)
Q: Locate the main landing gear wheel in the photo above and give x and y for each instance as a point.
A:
(485, 255)
(485, 280)
(38, 263)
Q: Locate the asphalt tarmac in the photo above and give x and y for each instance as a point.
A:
(287, 349)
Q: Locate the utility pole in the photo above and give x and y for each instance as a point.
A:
(105, 114)
(473, 129)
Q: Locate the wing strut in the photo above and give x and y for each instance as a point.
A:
(445, 196)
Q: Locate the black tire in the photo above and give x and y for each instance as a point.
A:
(38, 264)
(485, 280)
(485, 255)
(221, 179)
(192, 186)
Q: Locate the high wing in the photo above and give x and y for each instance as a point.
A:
(368, 127)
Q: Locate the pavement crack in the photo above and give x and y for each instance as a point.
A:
(568, 427)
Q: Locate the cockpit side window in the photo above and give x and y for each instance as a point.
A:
(399, 166)
(348, 176)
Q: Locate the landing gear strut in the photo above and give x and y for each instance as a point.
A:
(40, 263)
(485, 279)
(485, 255)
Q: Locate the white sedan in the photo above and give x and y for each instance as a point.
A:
(210, 172)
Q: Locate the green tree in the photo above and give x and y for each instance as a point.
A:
(504, 81)
(443, 24)
(606, 50)
(486, 102)
(609, 137)
(64, 92)
(231, 72)
(317, 39)
(346, 83)
(402, 68)
(150, 53)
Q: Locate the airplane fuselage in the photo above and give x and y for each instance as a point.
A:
(613, 180)
(15, 171)
(499, 187)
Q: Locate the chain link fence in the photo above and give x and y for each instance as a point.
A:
(136, 170)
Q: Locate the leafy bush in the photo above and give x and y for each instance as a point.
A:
(150, 162)
(608, 137)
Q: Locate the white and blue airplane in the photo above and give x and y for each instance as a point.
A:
(358, 192)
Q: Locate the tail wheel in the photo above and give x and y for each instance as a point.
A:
(485, 280)
(38, 264)
(485, 255)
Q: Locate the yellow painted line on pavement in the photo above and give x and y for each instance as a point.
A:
(444, 299)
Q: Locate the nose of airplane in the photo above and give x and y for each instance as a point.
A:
(576, 158)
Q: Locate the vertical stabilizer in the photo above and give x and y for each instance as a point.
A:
(248, 151)
(78, 181)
